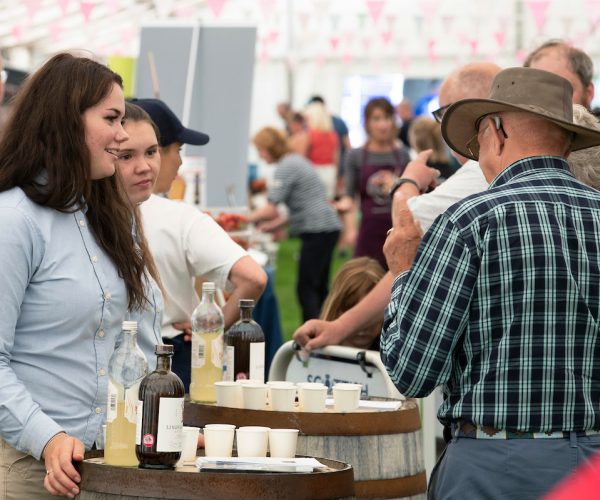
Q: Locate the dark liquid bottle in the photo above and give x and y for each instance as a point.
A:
(160, 419)
(245, 347)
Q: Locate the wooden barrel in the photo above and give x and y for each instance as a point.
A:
(105, 482)
(383, 447)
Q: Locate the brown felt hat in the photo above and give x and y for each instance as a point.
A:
(541, 93)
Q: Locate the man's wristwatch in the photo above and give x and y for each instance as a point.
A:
(399, 182)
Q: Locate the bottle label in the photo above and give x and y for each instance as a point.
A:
(170, 425)
(198, 351)
(228, 365)
(131, 401)
(216, 355)
(111, 406)
(138, 422)
(257, 361)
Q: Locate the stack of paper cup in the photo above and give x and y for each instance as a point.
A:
(346, 397)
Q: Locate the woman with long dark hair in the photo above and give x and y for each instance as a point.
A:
(70, 267)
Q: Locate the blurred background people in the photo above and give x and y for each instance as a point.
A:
(426, 133)
(311, 217)
(405, 114)
(366, 169)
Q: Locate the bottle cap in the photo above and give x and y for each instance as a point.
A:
(208, 286)
(246, 303)
(129, 326)
(163, 349)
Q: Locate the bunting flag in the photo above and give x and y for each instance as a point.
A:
(334, 42)
(17, 32)
(113, 6)
(184, 12)
(521, 55)
(263, 57)
(55, 30)
(273, 36)
(366, 44)
(539, 10)
(386, 36)
(266, 8)
(320, 60)
(391, 20)
(86, 9)
(500, 37)
(474, 45)
(63, 6)
(447, 22)
(32, 6)
(405, 63)
(304, 18)
(347, 58)
(216, 6)
(431, 51)
(430, 8)
(375, 9)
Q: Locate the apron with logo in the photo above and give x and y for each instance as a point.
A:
(375, 207)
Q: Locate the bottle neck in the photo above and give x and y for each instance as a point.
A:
(208, 296)
(129, 338)
(163, 362)
(246, 313)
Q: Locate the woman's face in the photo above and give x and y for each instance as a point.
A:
(104, 133)
(380, 126)
(139, 161)
(170, 162)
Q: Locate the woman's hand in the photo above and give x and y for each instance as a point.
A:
(58, 455)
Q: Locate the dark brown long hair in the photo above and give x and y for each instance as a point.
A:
(45, 136)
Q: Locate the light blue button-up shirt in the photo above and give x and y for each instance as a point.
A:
(61, 307)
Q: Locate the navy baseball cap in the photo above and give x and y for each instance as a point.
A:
(170, 127)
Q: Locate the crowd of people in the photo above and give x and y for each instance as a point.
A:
(481, 279)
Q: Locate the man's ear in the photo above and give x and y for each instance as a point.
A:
(589, 95)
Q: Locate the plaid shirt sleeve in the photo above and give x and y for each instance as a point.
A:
(428, 311)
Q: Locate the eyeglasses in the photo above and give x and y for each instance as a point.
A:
(473, 143)
(438, 114)
(3, 75)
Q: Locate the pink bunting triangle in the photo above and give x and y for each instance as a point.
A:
(538, 10)
(334, 42)
(320, 60)
(386, 36)
(86, 10)
(273, 36)
(216, 6)
(405, 63)
(592, 9)
(521, 55)
(375, 8)
(500, 37)
(63, 5)
(32, 6)
(263, 58)
(474, 44)
(267, 7)
(431, 51)
(447, 22)
(55, 30)
(17, 32)
(430, 8)
(113, 6)
(184, 12)
(347, 58)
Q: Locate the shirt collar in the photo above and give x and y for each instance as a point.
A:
(527, 165)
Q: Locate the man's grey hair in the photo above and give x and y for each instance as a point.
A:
(581, 64)
(585, 163)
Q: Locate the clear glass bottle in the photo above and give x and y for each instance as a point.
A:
(207, 347)
(160, 418)
(245, 347)
(126, 369)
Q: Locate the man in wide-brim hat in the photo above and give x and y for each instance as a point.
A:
(500, 303)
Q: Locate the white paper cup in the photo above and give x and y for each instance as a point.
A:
(252, 441)
(282, 397)
(228, 394)
(277, 383)
(312, 397)
(190, 445)
(254, 396)
(346, 397)
(218, 440)
(282, 442)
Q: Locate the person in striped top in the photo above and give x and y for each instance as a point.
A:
(500, 301)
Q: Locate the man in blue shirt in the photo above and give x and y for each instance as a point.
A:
(501, 304)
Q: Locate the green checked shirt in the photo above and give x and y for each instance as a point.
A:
(501, 305)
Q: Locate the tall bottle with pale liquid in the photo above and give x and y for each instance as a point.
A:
(126, 369)
(207, 347)
(245, 347)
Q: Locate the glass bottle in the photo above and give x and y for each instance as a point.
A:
(126, 369)
(207, 347)
(160, 418)
(245, 347)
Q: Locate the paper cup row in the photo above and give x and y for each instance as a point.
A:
(281, 396)
(251, 441)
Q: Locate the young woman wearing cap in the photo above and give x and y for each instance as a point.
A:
(70, 268)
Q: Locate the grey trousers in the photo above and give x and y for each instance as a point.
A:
(506, 469)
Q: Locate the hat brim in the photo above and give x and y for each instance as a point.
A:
(193, 137)
(458, 124)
